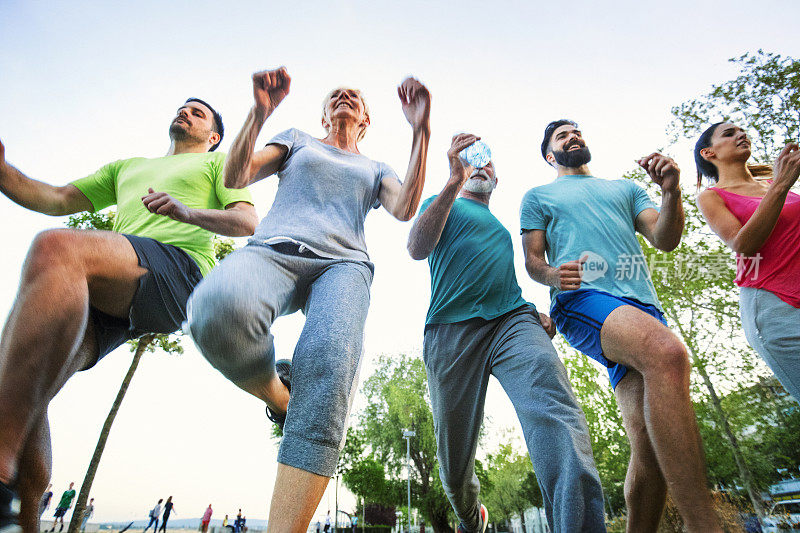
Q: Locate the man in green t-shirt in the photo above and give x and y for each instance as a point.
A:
(63, 506)
(84, 293)
(479, 325)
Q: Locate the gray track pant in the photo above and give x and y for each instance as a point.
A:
(514, 348)
(230, 314)
(772, 328)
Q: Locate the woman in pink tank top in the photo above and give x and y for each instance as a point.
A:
(760, 221)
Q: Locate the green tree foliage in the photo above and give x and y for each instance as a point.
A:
(103, 220)
(512, 487)
(397, 399)
(610, 444)
(764, 99)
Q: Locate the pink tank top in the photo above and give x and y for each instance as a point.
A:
(776, 266)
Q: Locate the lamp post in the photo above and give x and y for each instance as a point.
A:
(407, 434)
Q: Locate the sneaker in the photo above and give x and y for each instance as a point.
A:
(484, 514)
(284, 369)
(9, 510)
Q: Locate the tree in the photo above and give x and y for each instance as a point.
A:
(764, 99)
(167, 343)
(512, 486)
(373, 467)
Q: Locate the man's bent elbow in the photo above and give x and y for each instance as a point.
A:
(416, 253)
(250, 225)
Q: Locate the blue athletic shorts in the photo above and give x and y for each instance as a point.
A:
(580, 314)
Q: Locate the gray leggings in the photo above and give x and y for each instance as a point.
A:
(772, 328)
(230, 314)
(515, 349)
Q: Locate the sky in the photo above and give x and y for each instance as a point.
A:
(84, 83)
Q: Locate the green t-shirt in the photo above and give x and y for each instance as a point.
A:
(66, 499)
(472, 266)
(193, 179)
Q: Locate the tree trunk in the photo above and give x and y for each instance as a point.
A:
(522, 520)
(744, 470)
(83, 496)
(439, 522)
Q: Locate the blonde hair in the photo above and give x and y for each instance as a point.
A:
(760, 171)
(363, 130)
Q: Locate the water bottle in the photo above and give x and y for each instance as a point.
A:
(477, 154)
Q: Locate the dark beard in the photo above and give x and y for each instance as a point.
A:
(177, 132)
(573, 159)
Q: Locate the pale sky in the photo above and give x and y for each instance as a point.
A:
(85, 83)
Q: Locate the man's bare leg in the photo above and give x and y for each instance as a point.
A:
(64, 272)
(296, 495)
(36, 461)
(35, 467)
(645, 488)
(638, 340)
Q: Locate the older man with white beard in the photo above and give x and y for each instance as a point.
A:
(479, 325)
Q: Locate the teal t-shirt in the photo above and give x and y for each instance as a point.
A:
(472, 266)
(194, 179)
(584, 215)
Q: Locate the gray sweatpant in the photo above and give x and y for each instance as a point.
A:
(514, 348)
(230, 314)
(772, 328)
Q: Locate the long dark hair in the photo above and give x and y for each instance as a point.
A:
(705, 167)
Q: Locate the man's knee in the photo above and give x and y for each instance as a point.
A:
(668, 359)
(51, 247)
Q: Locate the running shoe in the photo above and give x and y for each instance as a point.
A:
(284, 369)
(484, 521)
(9, 510)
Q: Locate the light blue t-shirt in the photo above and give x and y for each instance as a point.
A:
(472, 266)
(584, 215)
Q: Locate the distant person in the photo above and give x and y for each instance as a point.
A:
(327, 523)
(225, 524)
(63, 505)
(154, 512)
(88, 512)
(206, 518)
(354, 522)
(238, 522)
(760, 221)
(244, 523)
(46, 498)
(168, 508)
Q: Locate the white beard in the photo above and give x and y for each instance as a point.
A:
(480, 186)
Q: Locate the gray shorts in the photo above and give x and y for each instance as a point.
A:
(772, 328)
(159, 304)
(230, 316)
